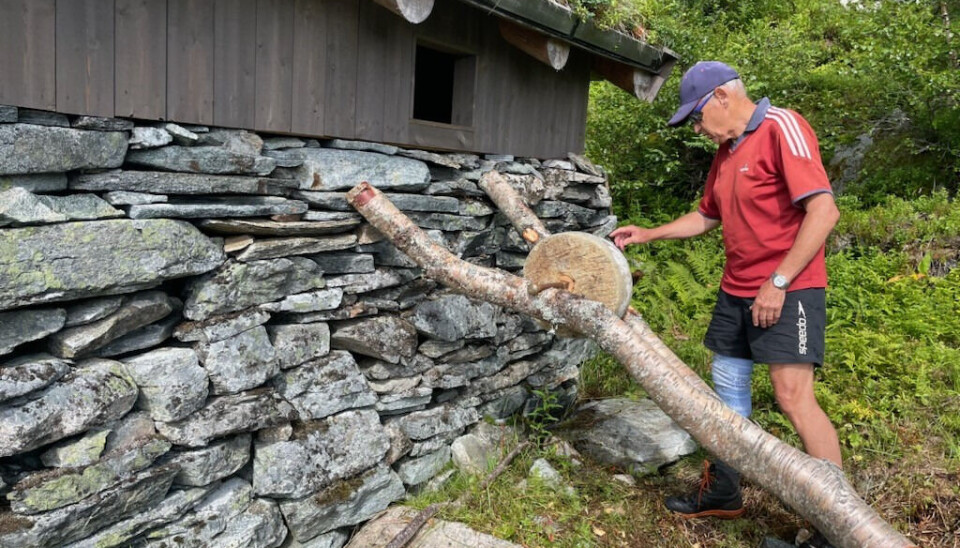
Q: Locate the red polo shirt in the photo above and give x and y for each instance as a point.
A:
(754, 188)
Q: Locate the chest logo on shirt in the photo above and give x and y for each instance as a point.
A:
(745, 168)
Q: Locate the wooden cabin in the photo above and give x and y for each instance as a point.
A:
(485, 76)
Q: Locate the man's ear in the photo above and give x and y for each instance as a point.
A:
(722, 96)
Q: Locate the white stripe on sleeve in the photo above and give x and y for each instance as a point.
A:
(785, 132)
(791, 123)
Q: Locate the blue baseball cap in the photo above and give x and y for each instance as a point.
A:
(699, 80)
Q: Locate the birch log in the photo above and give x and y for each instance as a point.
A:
(815, 488)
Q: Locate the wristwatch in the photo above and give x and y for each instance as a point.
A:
(780, 281)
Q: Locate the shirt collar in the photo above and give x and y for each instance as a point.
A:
(759, 113)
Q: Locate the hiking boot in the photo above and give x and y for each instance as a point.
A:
(718, 495)
(817, 540)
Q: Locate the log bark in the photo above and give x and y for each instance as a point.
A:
(414, 11)
(815, 488)
(641, 84)
(511, 204)
(543, 48)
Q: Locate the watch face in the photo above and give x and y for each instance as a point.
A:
(780, 281)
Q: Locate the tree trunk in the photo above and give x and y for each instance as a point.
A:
(815, 488)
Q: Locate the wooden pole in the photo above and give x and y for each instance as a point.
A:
(543, 48)
(414, 11)
(815, 488)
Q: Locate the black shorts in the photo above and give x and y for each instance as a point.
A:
(798, 337)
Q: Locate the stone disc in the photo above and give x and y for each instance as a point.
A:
(594, 266)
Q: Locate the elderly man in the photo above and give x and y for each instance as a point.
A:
(768, 189)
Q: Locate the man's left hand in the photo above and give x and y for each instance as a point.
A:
(768, 304)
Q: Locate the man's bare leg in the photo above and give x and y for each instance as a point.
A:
(793, 387)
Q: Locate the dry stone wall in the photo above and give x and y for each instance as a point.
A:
(201, 344)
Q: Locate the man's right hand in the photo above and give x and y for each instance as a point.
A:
(630, 234)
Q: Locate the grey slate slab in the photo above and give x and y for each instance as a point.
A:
(231, 206)
(26, 148)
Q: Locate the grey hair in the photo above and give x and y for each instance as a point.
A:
(735, 86)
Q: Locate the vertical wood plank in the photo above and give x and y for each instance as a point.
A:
(275, 35)
(373, 83)
(190, 61)
(398, 79)
(84, 40)
(141, 58)
(340, 99)
(27, 54)
(234, 62)
(309, 66)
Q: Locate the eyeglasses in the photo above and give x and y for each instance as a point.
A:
(697, 115)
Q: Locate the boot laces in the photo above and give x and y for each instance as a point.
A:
(706, 480)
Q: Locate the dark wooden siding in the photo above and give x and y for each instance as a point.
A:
(324, 68)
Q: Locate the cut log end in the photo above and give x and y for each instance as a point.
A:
(414, 11)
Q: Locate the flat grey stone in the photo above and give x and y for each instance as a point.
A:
(146, 337)
(206, 465)
(584, 165)
(330, 169)
(19, 207)
(227, 415)
(510, 375)
(421, 425)
(81, 451)
(559, 164)
(390, 386)
(39, 182)
(207, 519)
(239, 363)
(431, 445)
(276, 143)
(407, 367)
(432, 157)
(201, 159)
(42, 118)
(415, 399)
(260, 227)
(344, 263)
(345, 312)
(386, 338)
(436, 533)
(130, 429)
(635, 435)
(162, 182)
(311, 301)
(228, 206)
(321, 453)
(81, 207)
(88, 259)
(94, 392)
(121, 533)
(260, 525)
(49, 490)
(286, 159)
(454, 187)
(181, 135)
(414, 471)
(607, 226)
(98, 123)
(454, 317)
(379, 279)
(337, 201)
(172, 383)
(8, 114)
(434, 348)
(477, 451)
(298, 343)
(333, 539)
(361, 145)
(510, 261)
(297, 245)
(549, 477)
(221, 327)
(448, 222)
(329, 216)
(324, 386)
(237, 286)
(92, 310)
(124, 197)
(343, 504)
(88, 516)
(136, 311)
(26, 148)
(20, 326)
(27, 374)
(149, 137)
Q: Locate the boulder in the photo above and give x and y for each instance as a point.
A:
(324, 386)
(27, 148)
(237, 286)
(89, 259)
(346, 503)
(320, 453)
(94, 392)
(635, 435)
(172, 383)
